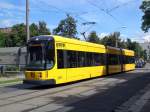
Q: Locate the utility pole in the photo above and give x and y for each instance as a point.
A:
(118, 35)
(83, 34)
(84, 24)
(116, 42)
(27, 20)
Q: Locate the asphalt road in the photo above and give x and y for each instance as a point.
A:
(113, 93)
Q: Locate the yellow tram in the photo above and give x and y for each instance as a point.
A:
(113, 60)
(128, 60)
(54, 60)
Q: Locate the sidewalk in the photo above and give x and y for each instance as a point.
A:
(140, 102)
(146, 100)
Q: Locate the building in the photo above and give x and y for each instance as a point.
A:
(6, 30)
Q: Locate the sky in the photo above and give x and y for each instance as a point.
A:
(110, 15)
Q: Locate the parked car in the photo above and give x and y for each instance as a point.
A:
(140, 63)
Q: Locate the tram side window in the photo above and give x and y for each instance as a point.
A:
(131, 59)
(110, 59)
(60, 58)
(89, 59)
(81, 59)
(97, 59)
(103, 59)
(119, 59)
(71, 59)
(128, 60)
(124, 60)
(113, 59)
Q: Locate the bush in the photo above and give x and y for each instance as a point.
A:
(11, 68)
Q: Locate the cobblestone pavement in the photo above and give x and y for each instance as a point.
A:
(115, 93)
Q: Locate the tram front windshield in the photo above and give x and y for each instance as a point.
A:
(40, 57)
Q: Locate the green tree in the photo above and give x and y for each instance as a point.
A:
(135, 47)
(112, 40)
(129, 43)
(34, 30)
(145, 7)
(122, 44)
(39, 29)
(42, 28)
(138, 49)
(18, 35)
(145, 54)
(66, 27)
(5, 40)
(2, 39)
(92, 37)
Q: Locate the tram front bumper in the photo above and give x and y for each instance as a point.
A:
(40, 82)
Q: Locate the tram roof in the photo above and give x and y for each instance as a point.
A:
(113, 50)
(128, 52)
(65, 39)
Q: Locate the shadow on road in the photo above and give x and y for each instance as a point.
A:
(106, 101)
(102, 101)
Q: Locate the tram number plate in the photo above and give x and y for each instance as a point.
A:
(60, 45)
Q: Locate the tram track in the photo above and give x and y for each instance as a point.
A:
(69, 100)
(48, 92)
(35, 96)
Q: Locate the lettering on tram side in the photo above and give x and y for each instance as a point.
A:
(60, 45)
